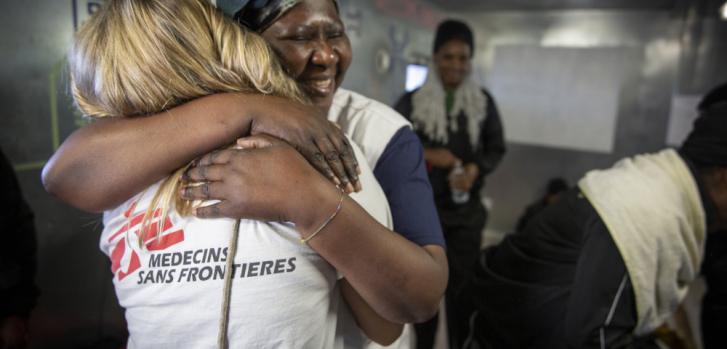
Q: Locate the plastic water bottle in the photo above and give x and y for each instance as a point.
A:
(458, 197)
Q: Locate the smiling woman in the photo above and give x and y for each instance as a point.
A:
(133, 58)
(311, 41)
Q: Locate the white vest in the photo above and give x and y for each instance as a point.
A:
(371, 125)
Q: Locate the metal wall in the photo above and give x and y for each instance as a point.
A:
(677, 50)
(667, 62)
(386, 36)
(77, 306)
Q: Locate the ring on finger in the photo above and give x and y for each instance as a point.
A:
(332, 155)
(213, 156)
(206, 190)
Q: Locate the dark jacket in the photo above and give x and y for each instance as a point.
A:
(18, 292)
(714, 303)
(487, 154)
(552, 284)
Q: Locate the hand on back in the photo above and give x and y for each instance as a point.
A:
(320, 141)
(261, 178)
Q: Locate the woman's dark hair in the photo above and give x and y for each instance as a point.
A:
(453, 30)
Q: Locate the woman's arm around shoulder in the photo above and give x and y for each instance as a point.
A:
(104, 163)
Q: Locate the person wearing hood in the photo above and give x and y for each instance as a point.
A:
(714, 268)
(460, 128)
(612, 260)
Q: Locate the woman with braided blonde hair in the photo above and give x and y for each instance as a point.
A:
(140, 57)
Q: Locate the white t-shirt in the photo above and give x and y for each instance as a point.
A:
(283, 293)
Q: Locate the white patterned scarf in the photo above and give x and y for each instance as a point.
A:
(429, 113)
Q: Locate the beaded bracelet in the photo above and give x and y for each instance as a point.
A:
(335, 213)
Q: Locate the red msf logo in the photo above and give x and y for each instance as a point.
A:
(155, 241)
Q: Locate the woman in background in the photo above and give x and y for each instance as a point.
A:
(459, 125)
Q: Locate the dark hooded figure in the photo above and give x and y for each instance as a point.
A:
(613, 258)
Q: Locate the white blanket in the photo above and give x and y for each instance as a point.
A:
(652, 208)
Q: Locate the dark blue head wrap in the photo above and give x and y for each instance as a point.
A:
(258, 15)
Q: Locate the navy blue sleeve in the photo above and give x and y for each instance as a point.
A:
(402, 173)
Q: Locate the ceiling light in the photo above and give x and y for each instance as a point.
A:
(723, 12)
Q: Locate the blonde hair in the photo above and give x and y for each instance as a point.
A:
(140, 57)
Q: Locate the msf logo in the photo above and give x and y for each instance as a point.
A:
(124, 259)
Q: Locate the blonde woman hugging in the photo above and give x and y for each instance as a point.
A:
(288, 270)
